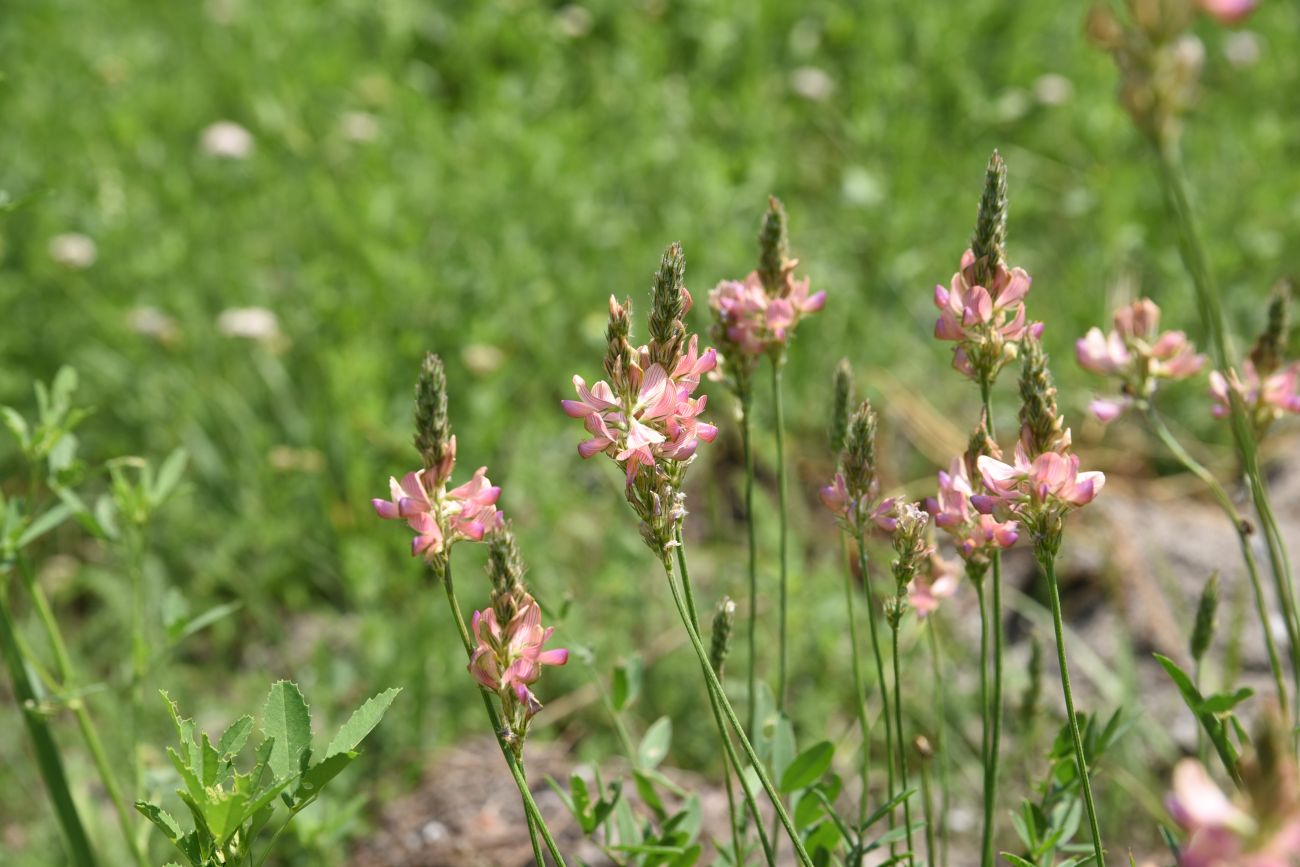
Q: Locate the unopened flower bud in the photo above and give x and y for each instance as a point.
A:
(842, 394)
(988, 244)
(618, 349)
(433, 437)
(720, 645)
(667, 307)
(773, 247)
(1206, 613)
(1268, 350)
(860, 451)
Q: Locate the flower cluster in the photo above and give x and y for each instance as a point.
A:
(930, 587)
(975, 535)
(1137, 354)
(913, 550)
(645, 416)
(758, 315)
(1266, 398)
(508, 659)
(1220, 833)
(853, 496)
(975, 317)
(438, 516)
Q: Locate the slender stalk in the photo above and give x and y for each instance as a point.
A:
(139, 646)
(532, 813)
(986, 841)
(47, 752)
(1192, 248)
(715, 686)
(751, 531)
(880, 664)
(1242, 529)
(732, 759)
(1048, 563)
(927, 805)
(688, 590)
(782, 637)
(859, 697)
(67, 679)
(532, 826)
(993, 756)
(940, 734)
(902, 747)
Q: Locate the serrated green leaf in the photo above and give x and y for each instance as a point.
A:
(287, 720)
(361, 723)
(160, 817)
(808, 767)
(655, 743)
(192, 785)
(210, 761)
(234, 737)
(224, 814)
(319, 774)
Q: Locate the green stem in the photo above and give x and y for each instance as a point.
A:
(1192, 248)
(782, 636)
(859, 697)
(880, 664)
(940, 735)
(715, 686)
(751, 531)
(532, 825)
(993, 756)
(47, 752)
(986, 841)
(927, 805)
(89, 733)
(532, 813)
(1242, 529)
(732, 759)
(902, 746)
(1048, 562)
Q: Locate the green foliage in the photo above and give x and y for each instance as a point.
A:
(229, 807)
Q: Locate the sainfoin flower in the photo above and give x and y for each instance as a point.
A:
(927, 590)
(1221, 834)
(986, 322)
(974, 534)
(659, 418)
(1052, 478)
(1266, 400)
(1228, 11)
(846, 507)
(509, 659)
(1137, 354)
(440, 517)
(754, 323)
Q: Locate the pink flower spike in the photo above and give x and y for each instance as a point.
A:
(1228, 12)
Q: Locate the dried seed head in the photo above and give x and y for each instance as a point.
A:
(618, 349)
(859, 460)
(667, 307)
(1042, 428)
(1206, 613)
(433, 437)
(1270, 347)
(841, 395)
(773, 247)
(723, 619)
(990, 239)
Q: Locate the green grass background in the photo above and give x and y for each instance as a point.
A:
(529, 161)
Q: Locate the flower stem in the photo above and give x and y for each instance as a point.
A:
(1242, 529)
(1208, 302)
(746, 405)
(902, 746)
(715, 686)
(859, 697)
(880, 665)
(531, 811)
(731, 759)
(532, 826)
(927, 805)
(993, 746)
(1048, 562)
(782, 637)
(986, 841)
(47, 752)
(940, 736)
(63, 669)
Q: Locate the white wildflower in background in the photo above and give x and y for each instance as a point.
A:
(573, 21)
(250, 323)
(73, 250)
(812, 83)
(1242, 49)
(1053, 89)
(227, 140)
(154, 323)
(359, 126)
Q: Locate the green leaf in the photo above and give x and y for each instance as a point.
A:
(655, 743)
(1212, 724)
(183, 629)
(808, 767)
(160, 817)
(626, 686)
(224, 814)
(783, 746)
(48, 520)
(17, 426)
(1222, 702)
(1018, 861)
(211, 761)
(234, 738)
(321, 773)
(361, 723)
(287, 719)
(169, 475)
(645, 787)
(581, 804)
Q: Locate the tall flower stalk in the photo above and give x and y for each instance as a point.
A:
(1039, 489)
(646, 418)
(506, 653)
(982, 311)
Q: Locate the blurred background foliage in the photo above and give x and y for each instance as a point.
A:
(475, 178)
